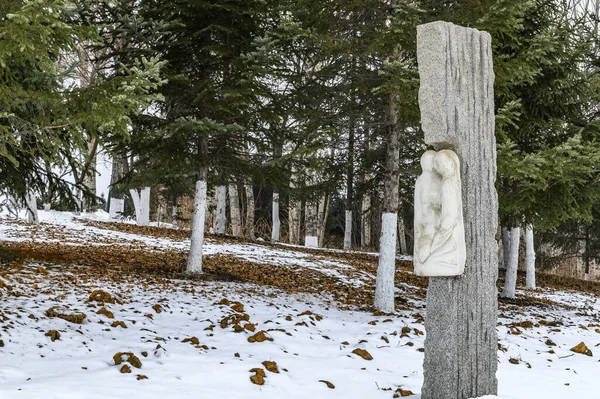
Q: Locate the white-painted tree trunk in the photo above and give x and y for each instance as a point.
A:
(294, 222)
(348, 231)
(141, 203)
(250, 208)
(350, 176)
(510, 281)
(145, 206)
(32, 211)
(135, 197)
(275, 217)
(234, 209)
(78, 202)
(47, 206)
(311, 238)
(311, 241)
(384, 287)
(174, 211)
(384, 292)
(294, 212)
(221, 216)
(529, 257)
(116, 207)
(194, 264)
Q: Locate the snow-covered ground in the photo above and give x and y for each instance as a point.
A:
(312, 339)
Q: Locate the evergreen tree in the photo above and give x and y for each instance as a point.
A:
(44, 114)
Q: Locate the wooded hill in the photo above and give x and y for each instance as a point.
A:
(292, 121)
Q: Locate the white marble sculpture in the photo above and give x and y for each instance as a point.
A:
(439, 230)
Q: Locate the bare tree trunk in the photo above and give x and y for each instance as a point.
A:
(234, 209)
(402, 236)
(49, 192)
(174, 217)
(530, 257)
(510, 281)
(275, 217)
(349, 187)
(586, 254)
(89, 178)
(294, 212)
(120, 167)
(211, 213)
(88, 72)
(505, 246)
(324, 206)
(250, 209)
(365, 217)
(384, 288)
(221, 216)
(159, 213)
(293, 222)
(323, 215)
(366, 240)
(78, 198)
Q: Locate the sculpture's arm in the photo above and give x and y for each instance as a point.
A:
(450, 213)
(418, 211)
(422, 250)
(450, 204)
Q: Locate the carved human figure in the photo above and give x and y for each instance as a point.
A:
(427, 206)
(439, 230)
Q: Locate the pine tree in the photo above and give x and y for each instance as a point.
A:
(43, 117)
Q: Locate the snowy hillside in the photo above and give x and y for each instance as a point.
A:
(265, 321)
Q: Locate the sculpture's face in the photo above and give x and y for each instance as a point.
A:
(444, 164)
(427, 160)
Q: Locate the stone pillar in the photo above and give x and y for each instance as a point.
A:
(456, 98)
